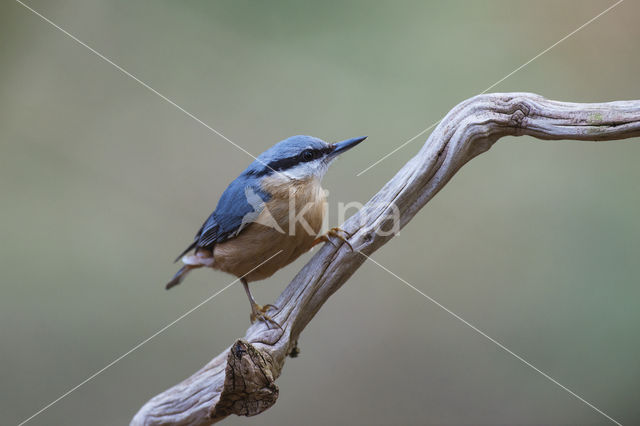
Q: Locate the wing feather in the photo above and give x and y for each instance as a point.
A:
(239, 205)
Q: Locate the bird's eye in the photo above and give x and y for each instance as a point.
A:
(307, 155)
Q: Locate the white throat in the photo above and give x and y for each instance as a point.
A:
(312, 169)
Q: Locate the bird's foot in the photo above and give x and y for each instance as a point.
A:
(259, 313)
(339, 233)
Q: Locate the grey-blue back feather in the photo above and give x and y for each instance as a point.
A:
(232, 208)
(227, 219)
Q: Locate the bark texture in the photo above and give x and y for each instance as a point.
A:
(241, 380)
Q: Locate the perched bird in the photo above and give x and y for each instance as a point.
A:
(268, 216)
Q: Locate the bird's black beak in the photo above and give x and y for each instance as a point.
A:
(340, 147)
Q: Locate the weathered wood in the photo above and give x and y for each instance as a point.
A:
(241, 380)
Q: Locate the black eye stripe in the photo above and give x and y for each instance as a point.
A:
(303, 157)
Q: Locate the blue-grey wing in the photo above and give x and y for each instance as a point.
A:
(239, 205)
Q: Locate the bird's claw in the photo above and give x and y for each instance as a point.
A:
(334, 232)
(259, 313)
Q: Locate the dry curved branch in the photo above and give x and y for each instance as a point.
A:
(241, 380)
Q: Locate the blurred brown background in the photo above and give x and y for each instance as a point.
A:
(103, 183)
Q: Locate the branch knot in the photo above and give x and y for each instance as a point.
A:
(520, 111)
(249, 384)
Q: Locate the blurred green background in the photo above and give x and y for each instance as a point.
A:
(103, 183)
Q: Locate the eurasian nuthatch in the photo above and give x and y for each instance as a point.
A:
(252, 221)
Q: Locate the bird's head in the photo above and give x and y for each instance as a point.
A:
(300, 157)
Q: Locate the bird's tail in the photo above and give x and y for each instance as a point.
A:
(192, 261)
(179, 276)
